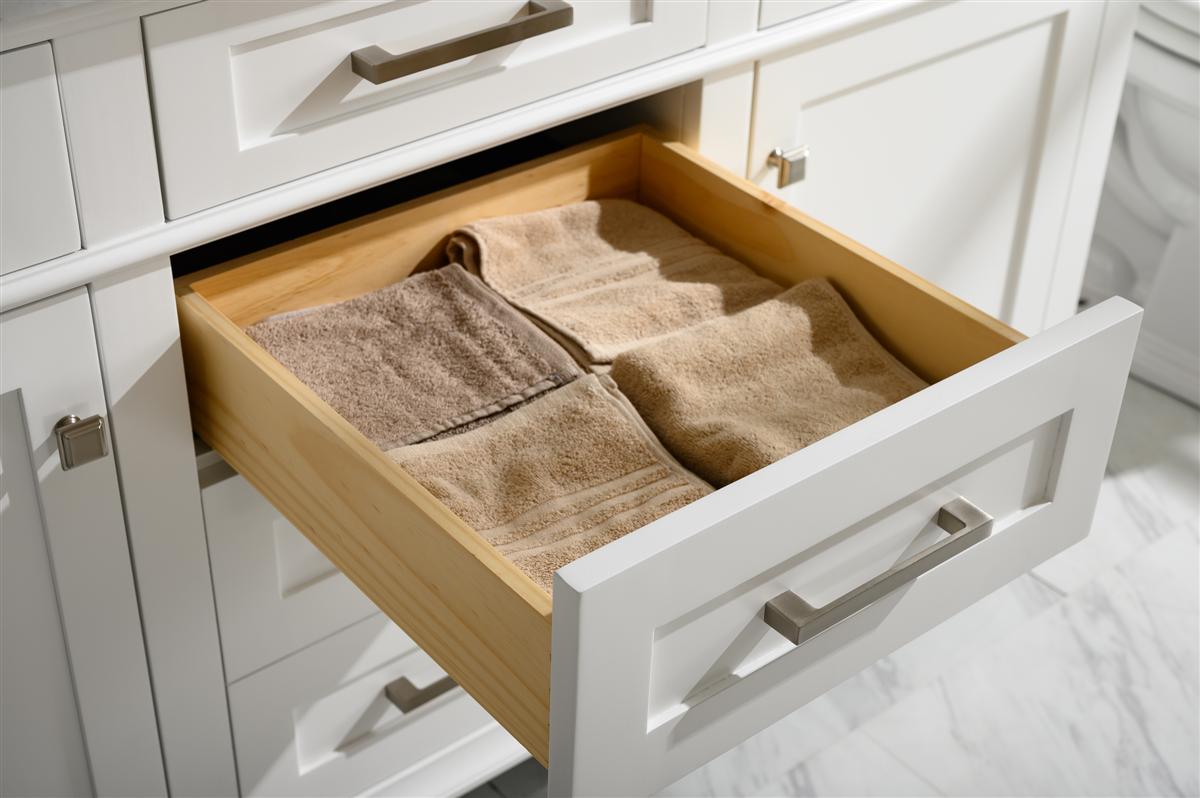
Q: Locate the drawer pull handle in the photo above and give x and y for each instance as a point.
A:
(798, 621)
(408, 697)
(80, 440)
(541, 16)
(790, 164)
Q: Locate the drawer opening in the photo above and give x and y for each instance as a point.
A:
(480, 618)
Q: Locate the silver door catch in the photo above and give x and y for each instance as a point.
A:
(790, 164)
(80, 441)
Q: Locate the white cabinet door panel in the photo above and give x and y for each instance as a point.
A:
(944, 140)
(51, 368)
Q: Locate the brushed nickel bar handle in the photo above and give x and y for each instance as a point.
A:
(379, 66)
(408, 697)
(798, 621)
(790, 163)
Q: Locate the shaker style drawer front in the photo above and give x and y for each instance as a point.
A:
(275, 592)
(677, 641)
(38, 220)
(252, 94)
(321, 722)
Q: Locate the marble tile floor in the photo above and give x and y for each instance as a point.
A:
(1079, 679)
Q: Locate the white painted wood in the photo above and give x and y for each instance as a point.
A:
(772, 12)
(960, 123)
(249, 95)
(1091, 160)
(717, 115)
(458, 769)
(275, 592)
(106, 103)
(318, 723)
(1026, 431)
(41, 741)
(730, 19)
(63, 273)
(37, 202)
(50, 361)
(138, 336)
(24, 22)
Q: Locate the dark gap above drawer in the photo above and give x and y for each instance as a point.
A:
(407, 188)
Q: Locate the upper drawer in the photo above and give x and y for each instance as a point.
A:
(662, 653)
(37, 198)
(773, 12)
(252, 94)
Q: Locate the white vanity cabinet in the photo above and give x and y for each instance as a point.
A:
(945, 138)
(234, 630)
(78, 717)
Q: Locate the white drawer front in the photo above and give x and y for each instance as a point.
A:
(38, 220)
(773, 12)
(249, 95)
(319, 723)
(671, 619)
(275, 592)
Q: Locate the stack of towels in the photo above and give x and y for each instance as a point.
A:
(586, 370)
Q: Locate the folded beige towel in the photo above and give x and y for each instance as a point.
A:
(606, 275)
(571, 471)
(732, 395)
(419, 357)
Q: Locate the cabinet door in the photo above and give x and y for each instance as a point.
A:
(944, 138)
(73, 677)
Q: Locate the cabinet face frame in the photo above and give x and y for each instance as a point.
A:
(474, 612)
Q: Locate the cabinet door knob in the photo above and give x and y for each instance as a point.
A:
(80, 440)
(790, 164)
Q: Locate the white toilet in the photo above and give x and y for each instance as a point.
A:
(1146, 245)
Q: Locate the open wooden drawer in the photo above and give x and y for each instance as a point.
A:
(656, 656)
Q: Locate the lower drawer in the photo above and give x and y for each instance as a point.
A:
(663, 649)
(320, 722)
(275, 592)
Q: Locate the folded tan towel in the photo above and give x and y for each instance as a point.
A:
(571, 471)
(732, 395)
(419, 357)
(606, 275)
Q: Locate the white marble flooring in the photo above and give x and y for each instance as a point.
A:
(1078, 679)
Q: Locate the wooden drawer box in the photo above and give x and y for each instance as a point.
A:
(655, 656)
(252, 94)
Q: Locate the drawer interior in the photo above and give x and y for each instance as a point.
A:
(485, 622)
